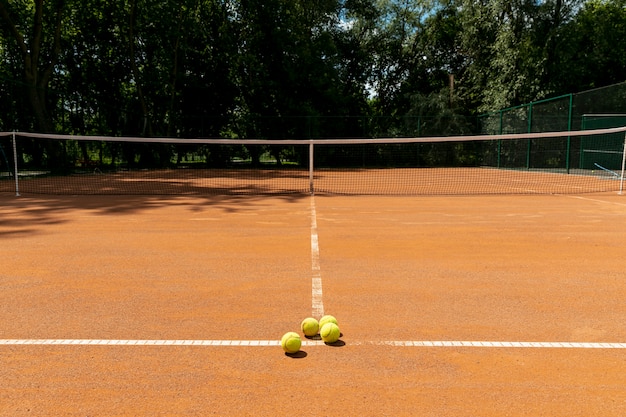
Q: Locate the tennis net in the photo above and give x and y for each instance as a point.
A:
(570, 162)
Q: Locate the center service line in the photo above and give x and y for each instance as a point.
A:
(316, 290)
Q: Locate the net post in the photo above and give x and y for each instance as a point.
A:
(17, 182)
(311, 187)
(621, 181)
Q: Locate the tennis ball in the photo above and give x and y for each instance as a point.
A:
(328, 319)
(290, 342)
(310, 326)
(330, 333)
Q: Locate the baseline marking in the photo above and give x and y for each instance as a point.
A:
(491, 344)
(265, 343)
(130, 342)
(316, 287)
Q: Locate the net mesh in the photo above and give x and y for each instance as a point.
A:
(552, 162)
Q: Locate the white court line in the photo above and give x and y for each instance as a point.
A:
(129, 342)
(503, 344)
(305, 343)
(596, 200)
(316, 287)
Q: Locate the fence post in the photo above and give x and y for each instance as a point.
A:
(499, 140)
(621, 182)
(569, 138)
(17, 182)
(311, 187)
(529, 128)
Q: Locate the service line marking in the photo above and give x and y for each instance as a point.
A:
(274, 343)
(596, 200)
(316, 284)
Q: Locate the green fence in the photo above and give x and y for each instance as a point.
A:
(562, 113)
(593, 109)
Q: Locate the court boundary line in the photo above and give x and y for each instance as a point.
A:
(596, 200)
(308, 343)
(316, 280)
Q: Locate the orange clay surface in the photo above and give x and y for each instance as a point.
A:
(228, 268)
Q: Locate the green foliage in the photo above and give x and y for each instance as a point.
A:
(590, 45)
(291, 68)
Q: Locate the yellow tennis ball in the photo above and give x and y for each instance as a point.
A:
(330, 333)
(310, 326)
(290, 342)
(328, 319)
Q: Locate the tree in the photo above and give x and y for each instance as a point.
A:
(589, 52)
(39, 50)
(95, 82)
(511, 49)
(400, 67)
(298, 62)
(293, 68)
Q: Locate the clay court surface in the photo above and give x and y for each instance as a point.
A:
(146, 306)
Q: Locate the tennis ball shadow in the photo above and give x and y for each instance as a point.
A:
(298, 355)
(338, 343)
(316, 337)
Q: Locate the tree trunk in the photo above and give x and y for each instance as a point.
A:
(147, 125)
(36, 76)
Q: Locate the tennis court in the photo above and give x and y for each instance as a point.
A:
(448, 305)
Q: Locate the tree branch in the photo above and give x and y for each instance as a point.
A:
(56, 49)
(35, 44)
(16, 33)
(133, 66)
